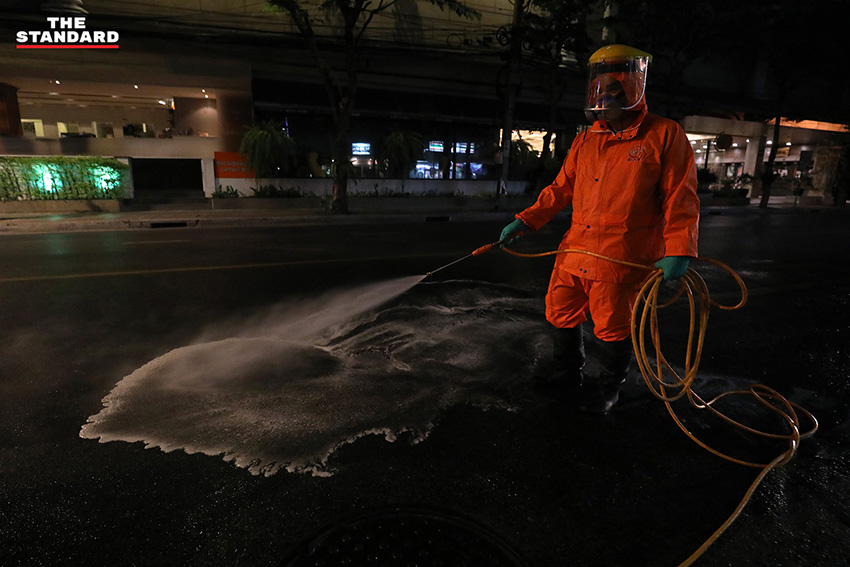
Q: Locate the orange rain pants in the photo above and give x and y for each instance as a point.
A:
(633, 197)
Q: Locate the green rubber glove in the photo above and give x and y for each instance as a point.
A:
(513, 228)
(674, 267)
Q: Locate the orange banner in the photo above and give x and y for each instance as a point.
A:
(232, 165)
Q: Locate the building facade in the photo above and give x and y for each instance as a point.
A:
(179, 85)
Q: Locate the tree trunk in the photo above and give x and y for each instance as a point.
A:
(342, 165)
(839, 198)
(768, 175)
(515, 55)
(341, 97)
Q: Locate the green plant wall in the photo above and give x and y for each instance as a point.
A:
(62, 178)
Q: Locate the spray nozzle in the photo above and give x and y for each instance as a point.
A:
(499, 244)
(482, 250)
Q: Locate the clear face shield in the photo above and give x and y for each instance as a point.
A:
(614, 87)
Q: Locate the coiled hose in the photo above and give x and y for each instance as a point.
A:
(645, 318)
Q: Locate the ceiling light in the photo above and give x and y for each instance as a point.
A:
(135, 86)
(787, 143)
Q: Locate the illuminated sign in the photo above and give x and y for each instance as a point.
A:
(361, 149)
(67, 32)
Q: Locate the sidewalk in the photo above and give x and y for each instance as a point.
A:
(195, 216)
(192, 214)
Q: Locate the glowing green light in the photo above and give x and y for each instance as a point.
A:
(61, 177)
(105, 178)
(46, 179)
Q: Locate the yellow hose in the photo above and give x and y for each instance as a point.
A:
(645, 312)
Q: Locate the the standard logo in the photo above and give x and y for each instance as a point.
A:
(67, 33)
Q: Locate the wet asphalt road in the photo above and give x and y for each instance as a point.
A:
(83, 310)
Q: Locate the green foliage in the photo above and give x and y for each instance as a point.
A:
(399, 152)
(457, 194)
(273, 192)
(267, 147)
(382, 192)
(734, 186)
(523, 160)
(62, 178)
(357, 15)
(730, 184)
(346, 170)
(227, 193)
(458, 7)
(705, 178)
(554, 29)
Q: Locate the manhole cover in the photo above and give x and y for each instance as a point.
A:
(402, 537)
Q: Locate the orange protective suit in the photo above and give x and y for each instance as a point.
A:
(633, 196)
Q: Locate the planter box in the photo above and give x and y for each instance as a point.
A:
(80, 206)
(408, 204)
(251, 203)
(434, 204)
(709, 200)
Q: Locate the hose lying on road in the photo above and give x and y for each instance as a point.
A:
(676, 387)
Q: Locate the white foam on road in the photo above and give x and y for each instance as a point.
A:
(288, 388)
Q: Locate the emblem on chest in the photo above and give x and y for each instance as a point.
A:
(636, 153)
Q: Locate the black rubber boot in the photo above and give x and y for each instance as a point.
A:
(568, 358)
(600, 395)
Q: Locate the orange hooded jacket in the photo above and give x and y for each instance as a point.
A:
(633, 195)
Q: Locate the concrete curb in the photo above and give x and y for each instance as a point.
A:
(194, 219)
(146, 220)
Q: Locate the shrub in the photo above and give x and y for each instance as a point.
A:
(705, 179)
(272, 191)
(268, 148)
(227, 193)
(399, 151)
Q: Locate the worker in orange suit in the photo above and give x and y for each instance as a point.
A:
(631, 181)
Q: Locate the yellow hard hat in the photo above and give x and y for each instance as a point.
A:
(618, 52)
